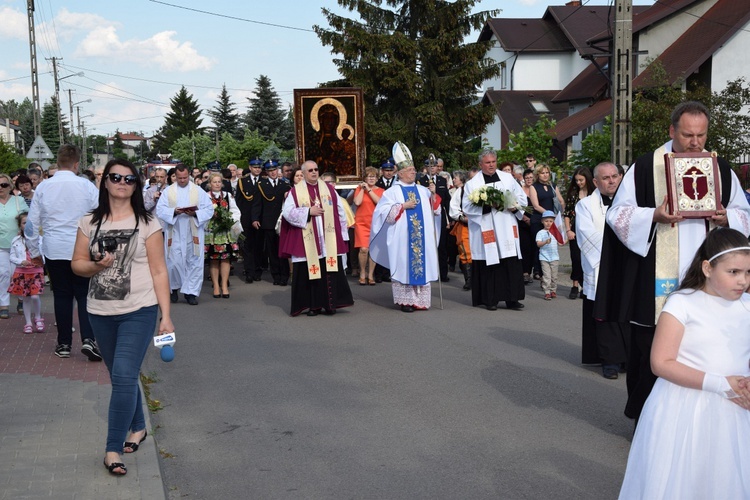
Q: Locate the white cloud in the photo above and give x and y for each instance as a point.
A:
(69, 24)
(528, 3)
(160, 51)
(14, 25)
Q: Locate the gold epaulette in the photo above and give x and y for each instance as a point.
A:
(242, 190)
(260, 188)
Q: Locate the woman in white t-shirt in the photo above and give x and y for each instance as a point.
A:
(121, 248)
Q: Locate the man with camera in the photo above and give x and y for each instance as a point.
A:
(57, 205)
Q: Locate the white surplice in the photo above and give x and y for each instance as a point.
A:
(591, 215)
(502, 222)
(632, 224)
(184, 266)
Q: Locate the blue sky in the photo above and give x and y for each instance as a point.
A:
(135, 55)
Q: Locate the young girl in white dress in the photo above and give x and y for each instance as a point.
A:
(693, 438)
(28, 279)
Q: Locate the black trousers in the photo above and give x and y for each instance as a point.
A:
(67, 286)
(252, 251)
(279, 267)
(640, 379)
(442, 250)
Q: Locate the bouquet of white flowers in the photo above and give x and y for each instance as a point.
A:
(487, 195)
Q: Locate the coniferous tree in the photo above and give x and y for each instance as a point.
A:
(183, 119)
(118, 147)
(265, 113)
(418, 76)
(50, 130)
(225, 116)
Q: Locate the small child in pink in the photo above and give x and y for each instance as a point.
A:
(28, 279)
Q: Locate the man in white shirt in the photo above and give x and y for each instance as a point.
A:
(184, 210)
(56, 207)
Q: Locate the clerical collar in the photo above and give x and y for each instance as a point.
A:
(607, 200)
(491, 178)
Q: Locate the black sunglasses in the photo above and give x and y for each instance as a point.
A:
(130, 179)
(4, 185)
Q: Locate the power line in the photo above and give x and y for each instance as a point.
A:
(154, 81)
(54, 28)
(233, 17)
(22, 77)
(124, 121)
(125, 91)
(153, 103)
(161, 82)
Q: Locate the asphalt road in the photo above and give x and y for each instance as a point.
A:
(373, 403)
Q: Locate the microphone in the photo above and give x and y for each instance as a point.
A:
(165, 343)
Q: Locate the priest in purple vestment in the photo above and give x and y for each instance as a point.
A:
(314, 235)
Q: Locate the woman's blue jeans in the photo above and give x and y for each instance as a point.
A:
(123, 341)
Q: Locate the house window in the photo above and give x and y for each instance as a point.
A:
(503, 76)
(538, 106)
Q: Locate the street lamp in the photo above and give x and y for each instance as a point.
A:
(57, 97)
(71, 111)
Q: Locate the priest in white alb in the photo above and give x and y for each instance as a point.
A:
(184, 209)
(404, 235)
(660, 244)
(604, 342)
(496, 272)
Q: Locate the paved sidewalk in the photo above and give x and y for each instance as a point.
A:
(53, 423)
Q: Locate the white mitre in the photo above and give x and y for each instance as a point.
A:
(402, 155)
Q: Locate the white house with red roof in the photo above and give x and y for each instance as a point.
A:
(707, 40)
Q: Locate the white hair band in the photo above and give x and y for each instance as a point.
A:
(735, 249)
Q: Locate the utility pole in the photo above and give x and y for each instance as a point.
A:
(57, 98)
(70, 101)
(34, 73)
(622, 83)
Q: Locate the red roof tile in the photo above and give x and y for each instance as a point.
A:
(530, 35)
(512, 106)
(128, 137)
(570, 126)
(659, 11)
(589, 84)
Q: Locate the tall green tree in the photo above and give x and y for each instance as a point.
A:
(10, 160)
(596, 148)
(50, 130)
(225, 115)
(184, 118)
(118, 147)
(533, 138)
(266, 115)
(418, 76)
(194, 149)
